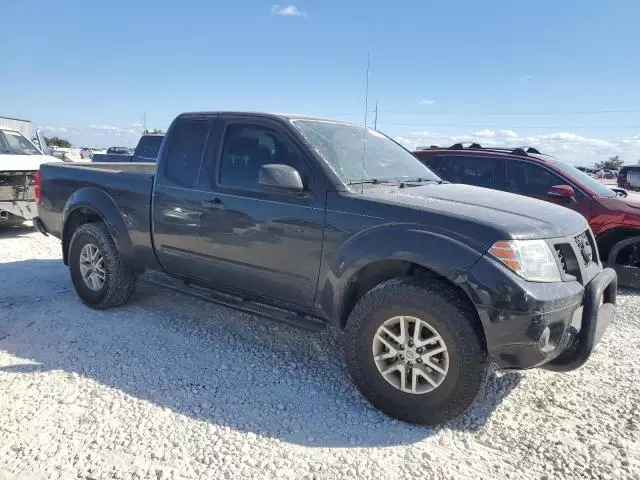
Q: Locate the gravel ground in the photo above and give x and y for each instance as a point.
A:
(172, 387)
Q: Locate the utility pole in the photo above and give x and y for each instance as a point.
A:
(144, 123)
(375, 120)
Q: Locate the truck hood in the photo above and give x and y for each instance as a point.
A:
(510, 216)
(21, 163)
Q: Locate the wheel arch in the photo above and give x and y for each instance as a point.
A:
(89, 205)
(371, 259)
(611, 241)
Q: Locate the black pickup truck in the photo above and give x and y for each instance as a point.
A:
(317, 222)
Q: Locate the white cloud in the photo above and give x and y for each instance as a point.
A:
(507, 133)
(426, 101)
(573, 138)
(486, 133)
(106, 128)
(287, 11)
(99, 134)
(55, 129)
(526, 78)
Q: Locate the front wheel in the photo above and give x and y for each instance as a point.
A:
(99, 275)
(415, 351)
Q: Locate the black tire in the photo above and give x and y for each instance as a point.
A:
(441, 306)
(119, 282)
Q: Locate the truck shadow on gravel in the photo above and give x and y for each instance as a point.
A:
(13, 231)
(206, 362)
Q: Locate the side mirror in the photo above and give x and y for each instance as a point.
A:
(280, 177)
(562, 191)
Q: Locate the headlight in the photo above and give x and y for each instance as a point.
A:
(531, 259)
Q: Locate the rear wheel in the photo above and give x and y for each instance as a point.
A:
(99, 275)
(415, 351)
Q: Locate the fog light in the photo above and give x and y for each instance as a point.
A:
(544, 339)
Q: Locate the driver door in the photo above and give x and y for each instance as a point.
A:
(257, 240)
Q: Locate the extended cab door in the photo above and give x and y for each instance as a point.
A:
(177, 204)
(259, 240)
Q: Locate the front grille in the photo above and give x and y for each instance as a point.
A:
(585, 248)
(563, 260)
(578, 257)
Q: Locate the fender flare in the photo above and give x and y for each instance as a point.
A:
(105, 206)
(434, 251)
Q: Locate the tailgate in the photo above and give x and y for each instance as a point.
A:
(16, 186)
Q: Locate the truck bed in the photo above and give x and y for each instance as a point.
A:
(110, 157)
(126, 185)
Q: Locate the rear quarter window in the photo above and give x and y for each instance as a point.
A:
(148, 148)
(185, 150)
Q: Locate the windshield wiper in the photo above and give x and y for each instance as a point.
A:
(374, 181)
(425, 180)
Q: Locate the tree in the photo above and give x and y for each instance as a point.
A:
(613, 163)
(155, 131)
(58, 142)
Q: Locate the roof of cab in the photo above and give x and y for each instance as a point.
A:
(280, 116)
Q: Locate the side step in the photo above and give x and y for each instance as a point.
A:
(304, 322)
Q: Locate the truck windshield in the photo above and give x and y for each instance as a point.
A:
(14, 143)
(591, 183)
(343, 146)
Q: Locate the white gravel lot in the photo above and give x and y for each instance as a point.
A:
(172, 387)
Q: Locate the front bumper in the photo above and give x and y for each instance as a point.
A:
(551, 325)
(598, 311)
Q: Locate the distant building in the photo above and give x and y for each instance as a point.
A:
(23, 126)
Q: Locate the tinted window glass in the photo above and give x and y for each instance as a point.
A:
(439, 165)
(184, 154)
(247, 148)
(148, 147)
(531, 179)
(480, 171)
(581, 177)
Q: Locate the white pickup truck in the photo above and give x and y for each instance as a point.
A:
(20, 159)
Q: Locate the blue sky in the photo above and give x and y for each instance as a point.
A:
(561, 75)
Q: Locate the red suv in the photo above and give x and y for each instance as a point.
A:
(613, 217)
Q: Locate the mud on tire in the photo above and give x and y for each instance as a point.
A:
(442, 308)
(119, 282)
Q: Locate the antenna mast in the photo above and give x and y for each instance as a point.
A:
(375, 120)
(366, 110)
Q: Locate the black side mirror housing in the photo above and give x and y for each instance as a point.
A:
(280, 177)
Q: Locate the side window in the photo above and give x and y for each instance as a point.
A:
(484, 172)
(440, 165)
(530, 179)
(148, 147)
(184, 152)
(247, 148)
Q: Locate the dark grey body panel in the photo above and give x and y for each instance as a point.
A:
(119, 193)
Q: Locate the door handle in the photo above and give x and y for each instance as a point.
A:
(214, 202)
